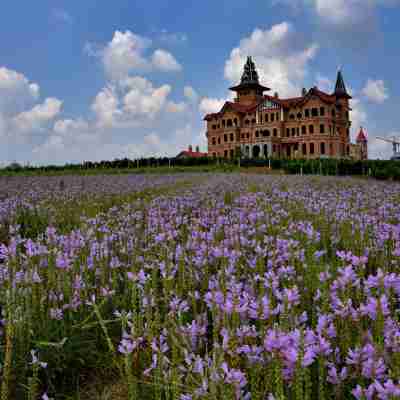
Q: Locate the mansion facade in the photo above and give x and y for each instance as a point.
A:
(313, 125)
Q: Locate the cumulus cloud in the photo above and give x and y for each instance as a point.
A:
(375, 91)
(282, 59)
(38, 116)
(165, 61)
(142, 98)
(128, 53)
(357, 16)
(106, 107)
(16, 91)
(210, 105)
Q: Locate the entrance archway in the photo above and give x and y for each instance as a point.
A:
(256, 151)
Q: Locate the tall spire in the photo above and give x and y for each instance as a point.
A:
(250, 74)
(340, 88)
(250, 78)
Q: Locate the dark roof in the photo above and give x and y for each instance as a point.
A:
(285, 103)
(193, 154)
(361, 137)
(249, 78)
(340, 87)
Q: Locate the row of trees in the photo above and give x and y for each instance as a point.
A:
(380, 169)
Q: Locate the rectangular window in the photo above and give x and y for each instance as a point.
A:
(248, 135)
(303, 130)
(307, 113)
(322, 148)
(231, 153)
(225, 138)
(298, 131)
(311, 148)
(266, 118)
(219, 140)
(311, 129)
(214, 142)
(231, 136)
(287, 132)
(214, 127)
(322, 111)
(272, 117)
(314, 112)
(226, 153)
(322, 128)
(275, 132)
(304, 149)
(293, 131)
(277, 116)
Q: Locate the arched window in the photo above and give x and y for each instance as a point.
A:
(214, 142)
(231, 153)
(303, 130)
(311, 129)
(322, 128)
(293, 132)
(235, 121)
(247, 122)
(322, 148)
(287, 132)
(226, 153)
(275, 132)
(314, 112)
(272, 117)
(253, 121)
(225, 138)
(223, 123)
(299, 116)
(291, 116)
(266, 118)
(304, 148)
(229, 122)
(219, 140)
(231, 137)
(311, 148)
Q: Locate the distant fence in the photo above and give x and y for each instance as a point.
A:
(379, 169)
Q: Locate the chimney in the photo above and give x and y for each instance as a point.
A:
(197, 149)
(276, 95)
(304, 92)
(190, 148)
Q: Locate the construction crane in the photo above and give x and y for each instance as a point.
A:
(396, 146)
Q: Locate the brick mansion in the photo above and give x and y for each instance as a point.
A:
(313, 125)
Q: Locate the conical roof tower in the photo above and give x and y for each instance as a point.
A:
(340, 87)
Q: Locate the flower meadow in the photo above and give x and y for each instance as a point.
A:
(201, 287)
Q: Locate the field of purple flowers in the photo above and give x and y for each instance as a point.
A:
(232, 287)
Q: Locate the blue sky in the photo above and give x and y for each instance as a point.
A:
(90, 80)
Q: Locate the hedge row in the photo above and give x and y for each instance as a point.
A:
(380, 169)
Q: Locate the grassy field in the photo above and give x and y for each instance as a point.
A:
(199, 286)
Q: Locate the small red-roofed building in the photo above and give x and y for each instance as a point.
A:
(360, 151)
(256, 125)
(189, 153)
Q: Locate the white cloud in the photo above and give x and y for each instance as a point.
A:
(165, 61)
(127, 53)
(142, 99)
(358, 116)
(172, 38)
(353, 15)
(209, 105)
(38, 116)
(281, 58)
(375, 91)
(380, 149)
(105, 106)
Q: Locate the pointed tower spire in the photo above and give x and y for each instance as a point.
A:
(340, 88)
(250, 79)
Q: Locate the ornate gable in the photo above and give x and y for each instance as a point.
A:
(268, 104)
